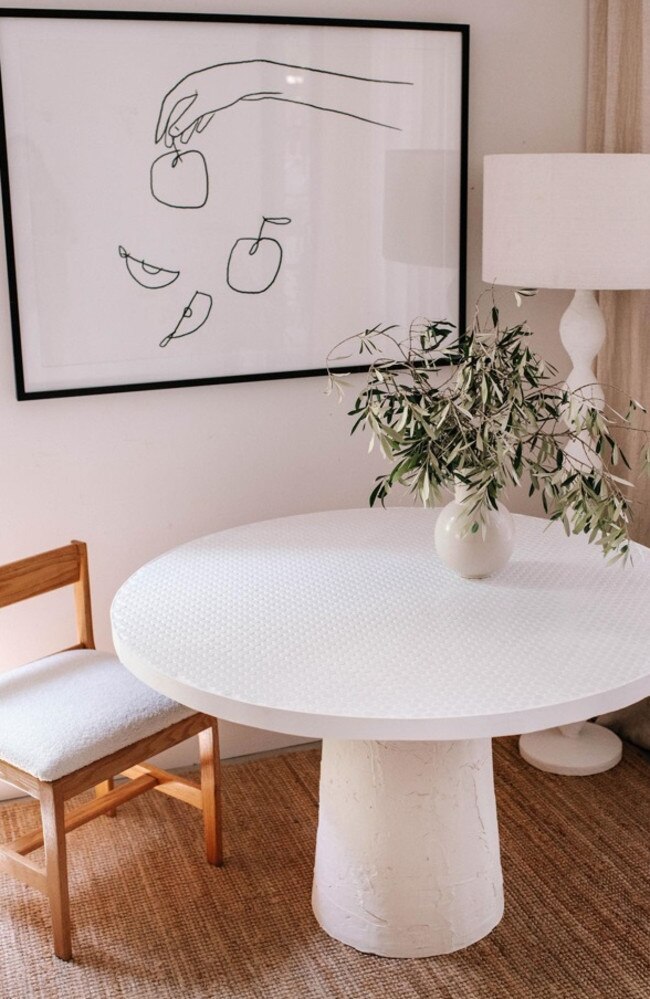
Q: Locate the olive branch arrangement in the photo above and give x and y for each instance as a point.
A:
(480, 411)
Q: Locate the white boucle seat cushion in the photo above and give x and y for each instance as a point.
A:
(60, 713)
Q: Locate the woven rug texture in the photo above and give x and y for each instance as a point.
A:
(152, 919)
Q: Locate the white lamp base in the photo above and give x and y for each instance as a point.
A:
(572, 750)
(583, 748)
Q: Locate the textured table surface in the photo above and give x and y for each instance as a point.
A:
(346, 625)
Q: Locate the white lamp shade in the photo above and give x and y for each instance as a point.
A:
(567, 220)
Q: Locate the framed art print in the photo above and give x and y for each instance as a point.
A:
(193, 199)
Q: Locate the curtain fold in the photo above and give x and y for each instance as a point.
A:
(618, 121)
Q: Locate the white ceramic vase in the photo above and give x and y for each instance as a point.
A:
(473, 555)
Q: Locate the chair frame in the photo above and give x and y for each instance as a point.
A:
(31, 577)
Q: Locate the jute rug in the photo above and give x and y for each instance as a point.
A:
(151, 919)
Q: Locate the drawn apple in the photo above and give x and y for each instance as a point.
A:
(254, 262)
(180, 179)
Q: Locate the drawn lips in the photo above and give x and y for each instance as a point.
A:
(147, 275)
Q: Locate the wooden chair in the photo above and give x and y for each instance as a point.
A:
(75, 720)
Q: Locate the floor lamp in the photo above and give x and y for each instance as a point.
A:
(579, 221)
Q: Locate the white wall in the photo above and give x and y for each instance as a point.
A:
(136, 473)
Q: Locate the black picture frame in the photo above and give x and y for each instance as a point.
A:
(43, 310)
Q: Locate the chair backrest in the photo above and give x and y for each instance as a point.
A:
(67, 566)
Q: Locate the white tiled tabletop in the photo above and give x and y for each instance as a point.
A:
(346, 625)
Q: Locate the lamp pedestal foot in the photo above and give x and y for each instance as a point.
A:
(572, 750)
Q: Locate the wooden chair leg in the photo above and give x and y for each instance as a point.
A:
(211, 793)
(56, 869)
(104, 788)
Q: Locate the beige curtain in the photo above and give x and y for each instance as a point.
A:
(618, 121)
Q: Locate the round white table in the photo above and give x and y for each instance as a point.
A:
(346, 626)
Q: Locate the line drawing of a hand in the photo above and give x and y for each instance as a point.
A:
(192, 103)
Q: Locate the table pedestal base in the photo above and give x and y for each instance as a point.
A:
(407, 854)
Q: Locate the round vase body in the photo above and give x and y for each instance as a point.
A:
(474, 555)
